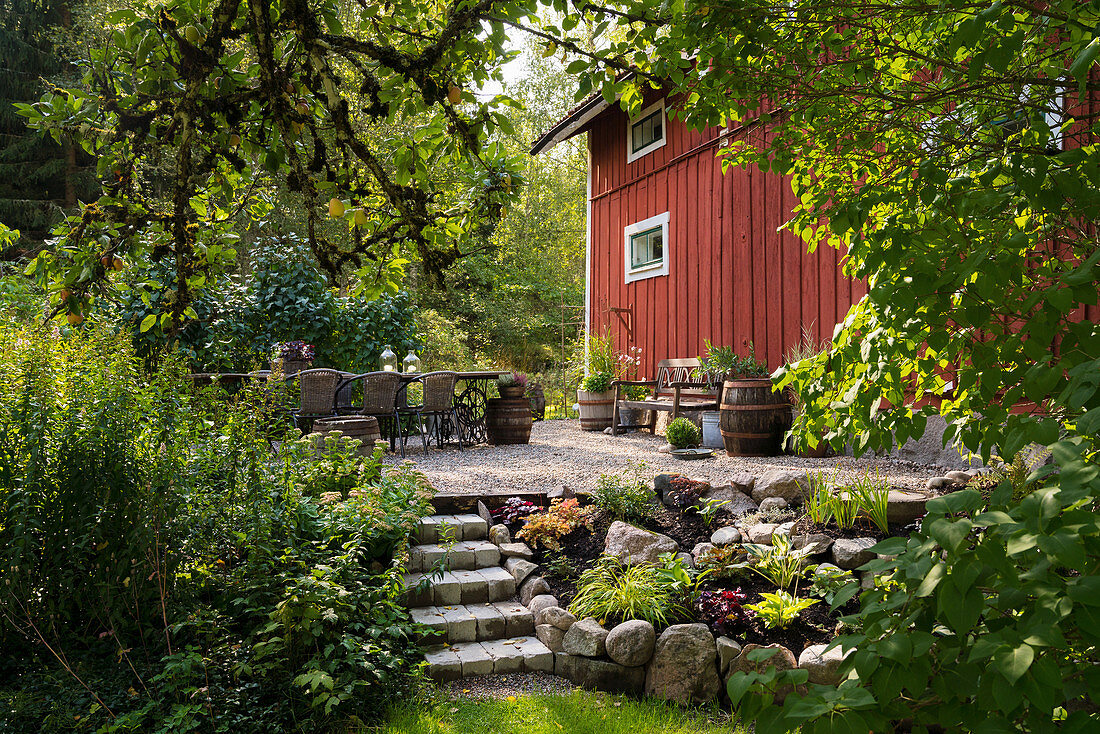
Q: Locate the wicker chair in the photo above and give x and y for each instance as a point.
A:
(376, 396)
(438, 403)
(317, 388)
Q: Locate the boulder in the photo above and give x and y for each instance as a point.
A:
(602, 675)
(784, 528)
(725, 536)
(586, 637)
(903, 506)
(550, 636)
(850, 553)
(728, 650)
(762, 533)
(532, 587)
(555, 616)
(662, 482)
(959, 477)
(773, 503)
(701, 549)
(737, 503)
(516, 550)
(683, 667)
(560, 493)
(484, 514)
(783, 659)
(500, 534)
(519, 568)
(542, 602)
(817, 542)
(633, 546)
(631, 643)
(743, 482)
(665, 448)
(685, 559)
(938, 483)
(778, 483)
(822, 666)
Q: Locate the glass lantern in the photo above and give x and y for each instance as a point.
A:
(411, 362)
(388, 360)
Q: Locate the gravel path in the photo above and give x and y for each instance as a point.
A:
(502, 686)
(561, 454)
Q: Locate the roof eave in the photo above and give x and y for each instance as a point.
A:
(572, 124)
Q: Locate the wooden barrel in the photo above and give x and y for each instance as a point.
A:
(537, 398)
(363, 428)
(753, 418)
(596, 409)
(508, 421)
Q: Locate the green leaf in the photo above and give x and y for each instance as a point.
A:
(1079, 69)
(1013, 663)
(148, 322)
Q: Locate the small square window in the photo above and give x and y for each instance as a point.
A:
(647, 248)
(646, 132)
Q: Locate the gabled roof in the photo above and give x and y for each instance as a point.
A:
(572, 124)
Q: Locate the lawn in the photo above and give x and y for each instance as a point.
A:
(580, 712)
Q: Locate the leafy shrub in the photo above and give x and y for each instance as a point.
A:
(727, 561)
(684, 582)
(625, 495)
(597, 382)
(611, 591)
(682, 433)
(780, 609)
(684, 492)
(720, 363)
(828, 582)
(513, 510)
(723, 610)
(546, 528)
(778, 562)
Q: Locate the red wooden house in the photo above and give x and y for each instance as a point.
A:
(677, 252)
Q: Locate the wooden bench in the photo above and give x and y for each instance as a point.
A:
(673, 390)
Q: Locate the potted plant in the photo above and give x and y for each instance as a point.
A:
(512, 384)
(292, 357)
(752, 417)
(595, 398)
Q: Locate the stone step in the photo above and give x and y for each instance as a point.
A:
(462, 555)
(477, 622)
(436, 528)
(453, 588)
(512, 655)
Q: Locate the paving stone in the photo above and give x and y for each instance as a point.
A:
(507, 655)
(490, 621)
(518, 619)
(473, 587)
(486, 554)
(501, 583)
(429, 617)
(599, 674)
(461, 625)
(473, 527)
(475, 659)
(443, 664)
(446, 590)
(414, 597)
(537, 657)
(427, 531)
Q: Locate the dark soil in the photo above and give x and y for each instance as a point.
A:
(815, 625)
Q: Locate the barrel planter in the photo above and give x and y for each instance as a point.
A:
(508, 421)
(596, 409)
(511, 391)
(753, 418)
(363, 428)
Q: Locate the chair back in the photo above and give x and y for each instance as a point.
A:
(681, 370)
(380, 392)
(439, 391)
(317, 389)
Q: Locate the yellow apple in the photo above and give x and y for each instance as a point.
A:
(335, 208)
(74, 318)
(118, 263)
(361, 218)
(454, 94)
(192, 34)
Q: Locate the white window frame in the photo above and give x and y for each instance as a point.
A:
(631, 155)
(651, 270)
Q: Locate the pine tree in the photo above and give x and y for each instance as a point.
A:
(38, 177)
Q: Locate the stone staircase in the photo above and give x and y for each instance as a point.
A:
(485, 629)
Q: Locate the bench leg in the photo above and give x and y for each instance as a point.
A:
(615, 414)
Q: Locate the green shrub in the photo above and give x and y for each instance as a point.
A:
(597, 382)
(780, 609)
(682, 433)
(611, 591)
(624, 495)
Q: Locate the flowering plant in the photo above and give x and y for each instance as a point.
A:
(722, 611)
(560, 519)
(512, 510)
(512, 379)
(295, 350)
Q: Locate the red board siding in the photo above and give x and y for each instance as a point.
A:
(733, 278)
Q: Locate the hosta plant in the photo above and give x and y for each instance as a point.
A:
(778, 562)
(780, 609)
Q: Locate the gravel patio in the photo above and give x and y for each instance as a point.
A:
(562, 455)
